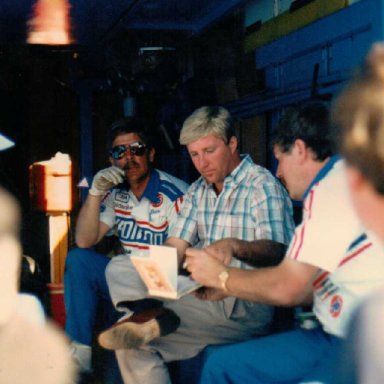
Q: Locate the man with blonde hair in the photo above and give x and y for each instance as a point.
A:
(233, 198)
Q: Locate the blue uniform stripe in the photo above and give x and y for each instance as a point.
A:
(170, 190)
(359, 240)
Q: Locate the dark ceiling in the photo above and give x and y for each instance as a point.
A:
(97, 21)
(114, 33)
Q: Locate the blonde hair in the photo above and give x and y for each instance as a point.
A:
(358, 113)
(207, 120)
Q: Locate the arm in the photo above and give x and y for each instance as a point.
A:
(180, 245)
(258, 253)
(287, 284)
(182, 209)
(89, 229)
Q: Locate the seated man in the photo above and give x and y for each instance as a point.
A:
(233, 197)
(358, 112)
(329, 260)
(131, 198)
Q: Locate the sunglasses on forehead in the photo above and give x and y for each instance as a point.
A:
(136, 149)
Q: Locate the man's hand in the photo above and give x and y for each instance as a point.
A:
(222, 250)
(204, 268)
(256, 253)
(106, 179)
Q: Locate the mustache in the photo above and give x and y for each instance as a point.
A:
(130, 164)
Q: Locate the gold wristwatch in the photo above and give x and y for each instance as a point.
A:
(223, 277)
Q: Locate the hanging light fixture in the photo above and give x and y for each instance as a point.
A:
(50, 23)
(5, 142)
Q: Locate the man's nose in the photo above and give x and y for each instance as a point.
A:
(203, 161)
(128, 153)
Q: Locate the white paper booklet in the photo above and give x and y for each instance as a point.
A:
(159, 271)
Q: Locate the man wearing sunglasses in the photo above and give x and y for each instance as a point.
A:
(131, 199)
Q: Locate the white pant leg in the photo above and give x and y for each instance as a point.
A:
(124, 282)
(202, 323)
(142, 367)
(205, 323)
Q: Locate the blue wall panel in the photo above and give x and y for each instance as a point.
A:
(336, 43)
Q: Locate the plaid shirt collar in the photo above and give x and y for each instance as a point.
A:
(237, 175)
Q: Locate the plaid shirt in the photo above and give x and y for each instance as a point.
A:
(252, 205)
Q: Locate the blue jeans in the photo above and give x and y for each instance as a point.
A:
(85, 294)
(298, 356)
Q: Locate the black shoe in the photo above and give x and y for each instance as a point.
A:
(139, 329)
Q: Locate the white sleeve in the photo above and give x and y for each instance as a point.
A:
(173, 212)
(329, 224)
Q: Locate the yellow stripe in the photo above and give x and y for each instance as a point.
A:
(288, 22)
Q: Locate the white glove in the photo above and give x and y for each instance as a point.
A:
(105, 179)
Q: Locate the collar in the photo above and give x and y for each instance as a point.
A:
(238, 174)
(152, 188)
(241, 171)
(322, 173)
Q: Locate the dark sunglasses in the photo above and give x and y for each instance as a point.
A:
(137, 149)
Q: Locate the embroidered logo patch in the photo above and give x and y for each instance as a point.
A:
(159, 201)
(336, 305)
(122, 196)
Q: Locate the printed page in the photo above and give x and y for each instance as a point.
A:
(153, 276)
(166, 259)
(159, 269)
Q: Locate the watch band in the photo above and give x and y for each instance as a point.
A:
(223, 277)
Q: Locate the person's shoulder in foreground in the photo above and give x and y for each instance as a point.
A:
(31, 350)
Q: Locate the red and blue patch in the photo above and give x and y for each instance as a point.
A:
(336, 306)
(159, 201)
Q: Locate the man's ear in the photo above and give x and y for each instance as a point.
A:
(233, 143)
(151, 155)
(111, 160)
(301, 149)
(300, 145)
